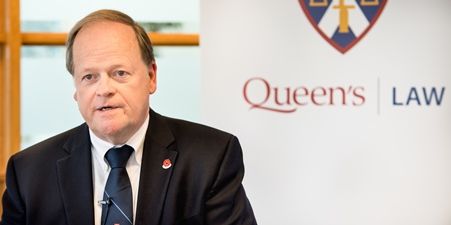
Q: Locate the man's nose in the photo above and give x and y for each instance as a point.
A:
(105, 86)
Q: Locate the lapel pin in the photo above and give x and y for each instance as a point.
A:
(167, 164)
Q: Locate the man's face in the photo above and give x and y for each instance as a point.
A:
(112, 82)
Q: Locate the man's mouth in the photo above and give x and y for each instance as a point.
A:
(105, 108)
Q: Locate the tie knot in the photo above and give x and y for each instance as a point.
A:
(118, 157)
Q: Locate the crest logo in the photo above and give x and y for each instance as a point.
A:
(342, 23)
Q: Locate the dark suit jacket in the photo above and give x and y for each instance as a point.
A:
(50, 183)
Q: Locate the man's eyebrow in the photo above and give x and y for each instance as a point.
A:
(83, 71)
(109, 68)
(115, 66)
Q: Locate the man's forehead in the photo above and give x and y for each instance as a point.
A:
(108, 32)
(104, 42)
(102, 28)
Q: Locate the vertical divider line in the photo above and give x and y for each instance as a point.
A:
(378, 96)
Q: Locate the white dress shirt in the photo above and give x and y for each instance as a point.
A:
(101, 169)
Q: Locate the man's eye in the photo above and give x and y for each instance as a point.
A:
(87, 77)
(121, 73)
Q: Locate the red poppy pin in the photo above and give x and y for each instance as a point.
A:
(166, 164)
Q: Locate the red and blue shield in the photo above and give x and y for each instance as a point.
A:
(343, 23)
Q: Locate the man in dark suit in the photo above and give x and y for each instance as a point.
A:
(175, 172)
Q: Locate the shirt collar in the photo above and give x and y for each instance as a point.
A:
(100, 147)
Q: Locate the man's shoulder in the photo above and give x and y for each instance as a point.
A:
(50, 145)
(200, 146)
(188, 129)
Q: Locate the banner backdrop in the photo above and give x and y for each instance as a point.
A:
(342, 107)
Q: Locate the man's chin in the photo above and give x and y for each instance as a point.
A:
(112, 133)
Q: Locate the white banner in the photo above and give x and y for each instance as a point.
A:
(342, 107)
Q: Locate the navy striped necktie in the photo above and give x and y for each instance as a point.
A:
(118, 204)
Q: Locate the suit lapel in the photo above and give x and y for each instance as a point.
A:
(75, 179)
(159, 145)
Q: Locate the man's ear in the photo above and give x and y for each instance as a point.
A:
(75, 96)
(153, 77)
